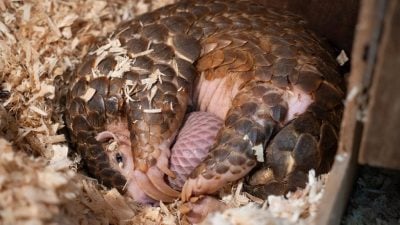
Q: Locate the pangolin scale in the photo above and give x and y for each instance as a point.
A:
(274, 83)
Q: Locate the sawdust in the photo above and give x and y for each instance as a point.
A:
(298, 207)
(41, 43)
(36, 191)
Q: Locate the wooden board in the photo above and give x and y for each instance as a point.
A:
(381, 137)
(342, 175)
(334, 19)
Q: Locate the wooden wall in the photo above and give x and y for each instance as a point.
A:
(335, 19)
(380, 144)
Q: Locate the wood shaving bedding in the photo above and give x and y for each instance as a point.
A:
(41, 43)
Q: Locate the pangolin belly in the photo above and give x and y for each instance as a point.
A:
(273, 83)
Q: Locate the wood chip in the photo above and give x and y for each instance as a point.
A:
(142, 53)
(259, 152)
(254, 198)
(123, 65)
(45, 90)
(38, 110)
(342, 58)
(88, 94)
(53, 27)
(152, 79)
(4, 29)
(26, 16)
(56, 139)
(152, 110)
(129, 89)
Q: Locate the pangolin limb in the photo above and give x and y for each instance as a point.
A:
(273, 82)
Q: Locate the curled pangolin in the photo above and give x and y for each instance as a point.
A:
(273, 82)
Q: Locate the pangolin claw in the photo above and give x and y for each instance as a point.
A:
(152, 190)
(156, 177)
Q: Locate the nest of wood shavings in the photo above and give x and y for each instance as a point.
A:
(298, 207)
(41, 43)
(36, 191)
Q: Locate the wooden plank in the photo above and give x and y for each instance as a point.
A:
(333, 19)
(381, 137)
(342, 175)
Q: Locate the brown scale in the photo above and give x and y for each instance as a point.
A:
(263, 52)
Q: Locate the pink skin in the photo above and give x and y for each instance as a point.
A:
(198, 210)
(215, 96)
(298, 102)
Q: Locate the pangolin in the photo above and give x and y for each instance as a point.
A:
(272, 82)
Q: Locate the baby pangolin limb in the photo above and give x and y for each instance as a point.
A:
(190, 148)
(193, 143)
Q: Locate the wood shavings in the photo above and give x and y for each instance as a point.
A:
(254, 199)
(60, 158)
(26, 8)
(249, 214)
(112, 46)
(163, 215)
(37, 190)
(6, 32)
(119, 206)
(152, 110)
(342, 58)
(108, 206)
(113, 146)
(169, 218)
(68, 20)
(142, 53)
(129, 89)
(152, 79)
(149, 215)
(123, 65)
(56, 139)
(2, 5)
(299, 203)
(259, 152)
(38, 110)
(98, 9)
(53, 27)
(153, 92)
(296, 208)
(9, 18)
(67, 32)
(238, 198)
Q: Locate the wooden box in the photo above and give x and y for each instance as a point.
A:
(369, 131)
(369, 32)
